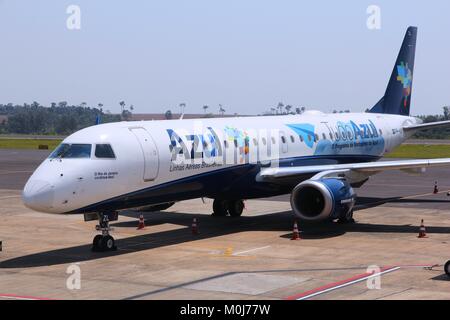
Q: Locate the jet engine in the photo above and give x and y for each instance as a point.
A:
(323, 199)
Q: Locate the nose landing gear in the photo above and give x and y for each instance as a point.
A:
(104, 242)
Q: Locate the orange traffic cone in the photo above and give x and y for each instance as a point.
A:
(295, 233)
(141, 222)
(436, 190)
(194, 226)
(422, 231)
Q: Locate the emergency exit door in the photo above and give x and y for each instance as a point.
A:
(150, 153)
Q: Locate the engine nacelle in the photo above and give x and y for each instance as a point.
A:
(323, 199)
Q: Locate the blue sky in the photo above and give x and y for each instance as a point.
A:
(247, 55)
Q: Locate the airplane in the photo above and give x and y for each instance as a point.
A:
(317, 158)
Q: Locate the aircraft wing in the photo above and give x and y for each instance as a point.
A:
(354, 171)
(426, 126)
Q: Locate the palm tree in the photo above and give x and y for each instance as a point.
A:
(205, 107)
(182, 106)
(280, 107)
(131, 108)
(122, 105)
(83, 104)
(221, 110)
(288, 108)
(100, 107)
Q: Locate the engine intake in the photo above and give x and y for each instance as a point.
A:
(324, 199)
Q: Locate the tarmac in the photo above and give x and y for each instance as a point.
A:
(253, 257)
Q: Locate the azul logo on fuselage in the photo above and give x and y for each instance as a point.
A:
(340, 132)
(190, 147)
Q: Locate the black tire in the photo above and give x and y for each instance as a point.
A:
(235, 208)
(447, 268)
(96, 243)
(347, 219)
(107, 243)
(220, 208)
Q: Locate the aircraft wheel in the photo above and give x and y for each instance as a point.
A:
(220, 208)
(108, 243)
(235, 208)
(347, 219)
(447, 268)
(96, 243)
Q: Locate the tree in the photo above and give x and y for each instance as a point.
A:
(131, 107)
(122, 106)
(288, 108)
(205, 107)
(298, 111)
(126, 115)
(168, 115)
(182, 107)
(446, 113)
(280, 107)
(221, 110)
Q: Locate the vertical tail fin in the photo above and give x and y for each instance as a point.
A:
(397, 99)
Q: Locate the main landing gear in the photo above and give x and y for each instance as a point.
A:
(223, 208)
(103, 242)
(347, 219)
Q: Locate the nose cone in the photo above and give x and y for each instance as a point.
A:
(38, 195)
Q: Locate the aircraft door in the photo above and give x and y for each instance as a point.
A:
(150, 153)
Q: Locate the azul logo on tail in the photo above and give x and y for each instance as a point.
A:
(405, 77)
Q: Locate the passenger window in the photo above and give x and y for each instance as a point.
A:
(235, 143)
(309, 137)
(104, 151)
(301, 138)
(316, 137)
(255, 142)
(71, 151)
(324, 136)
(331, 136)
(273, 140)
(283, 139)
(381, 132)
(292, 139)
(264, 141)
(225, 143)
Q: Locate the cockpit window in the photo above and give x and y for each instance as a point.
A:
(104, 151)
(72, 151)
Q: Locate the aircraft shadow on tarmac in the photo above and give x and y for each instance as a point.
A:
(209, 227)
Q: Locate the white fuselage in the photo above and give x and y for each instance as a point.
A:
(153, 155)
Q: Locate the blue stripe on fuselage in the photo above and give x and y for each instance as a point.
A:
(236, 182)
